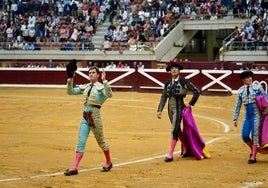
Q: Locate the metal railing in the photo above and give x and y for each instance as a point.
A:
(229, 44)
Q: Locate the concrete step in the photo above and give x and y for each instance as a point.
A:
(98, 37)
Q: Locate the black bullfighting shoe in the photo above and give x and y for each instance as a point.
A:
(70, 172)
(252, 161)
(107, 169)
(168, 159)
(184, 155)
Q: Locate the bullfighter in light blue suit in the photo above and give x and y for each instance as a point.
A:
(251, 127)
(95, 94)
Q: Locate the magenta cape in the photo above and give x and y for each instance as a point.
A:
(262, 102)
(193, 140)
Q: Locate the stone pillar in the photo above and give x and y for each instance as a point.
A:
(211, 43)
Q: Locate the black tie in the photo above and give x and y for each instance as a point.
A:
(175, 83)
(247, 90)
(91, 86)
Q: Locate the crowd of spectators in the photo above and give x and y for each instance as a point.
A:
(254, 34)
(88, 64)
(43, 22)
(70, 24)
(151, 20)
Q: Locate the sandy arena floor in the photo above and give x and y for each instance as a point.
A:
(38, 131)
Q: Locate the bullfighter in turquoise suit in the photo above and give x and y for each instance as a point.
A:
(95, 94)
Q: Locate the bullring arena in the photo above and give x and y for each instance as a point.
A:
(39, 127)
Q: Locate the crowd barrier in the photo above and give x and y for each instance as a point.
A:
(136, 80)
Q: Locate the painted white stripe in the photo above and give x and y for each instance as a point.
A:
(252, 184)
(226, 126)
(98, 168)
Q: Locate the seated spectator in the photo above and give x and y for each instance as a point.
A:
(68, 19)
(250, 39)
(120, 65)
(109, 32)
(264, 41)
(44, 8)
(37, 46)
(2, 32)
(56, 20)
(140, 37)
(56, 34)
(166, 27)
(110, 66)
(67, 9)
(152, 29)
(90, 46)
(74, 9)
(86, 46)
(92, 21)
(223, 10)
(15, 45)
(193, 15)
(22, 45)
(117, 34)
(124, 37)
(76, 34)
(140, 65)
(68, 46)
(89, 28)
(30, 46)
(85, 8)
(160, 30)
(83, 37)
(124, 14)
(9, 45)
(63, 33)
(126, 66)
(46, 36)
(146, 28)
(32, 37)
(95, 10)
(9, 34)
(101, 17)
(60, 7)
(62, 47)
(132, 43)
(82, 46)
(139, 27)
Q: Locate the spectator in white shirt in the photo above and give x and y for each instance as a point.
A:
(141, 14)
(31, 19)
(124, 14)
(107, 44)
(75, 34)
(9, 33)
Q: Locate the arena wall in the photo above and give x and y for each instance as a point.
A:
(136, 80)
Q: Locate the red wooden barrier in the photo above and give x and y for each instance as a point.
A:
(143, 80)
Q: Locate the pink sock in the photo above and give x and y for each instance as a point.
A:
(254, 152)
(77, 160)
(172, 145)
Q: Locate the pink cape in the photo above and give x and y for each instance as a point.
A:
(193, 140)
(262, 102)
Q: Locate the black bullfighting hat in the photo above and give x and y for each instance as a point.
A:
(71, 68)
(173, 63)
(246, 74)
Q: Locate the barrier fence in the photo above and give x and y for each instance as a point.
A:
(137, 80)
